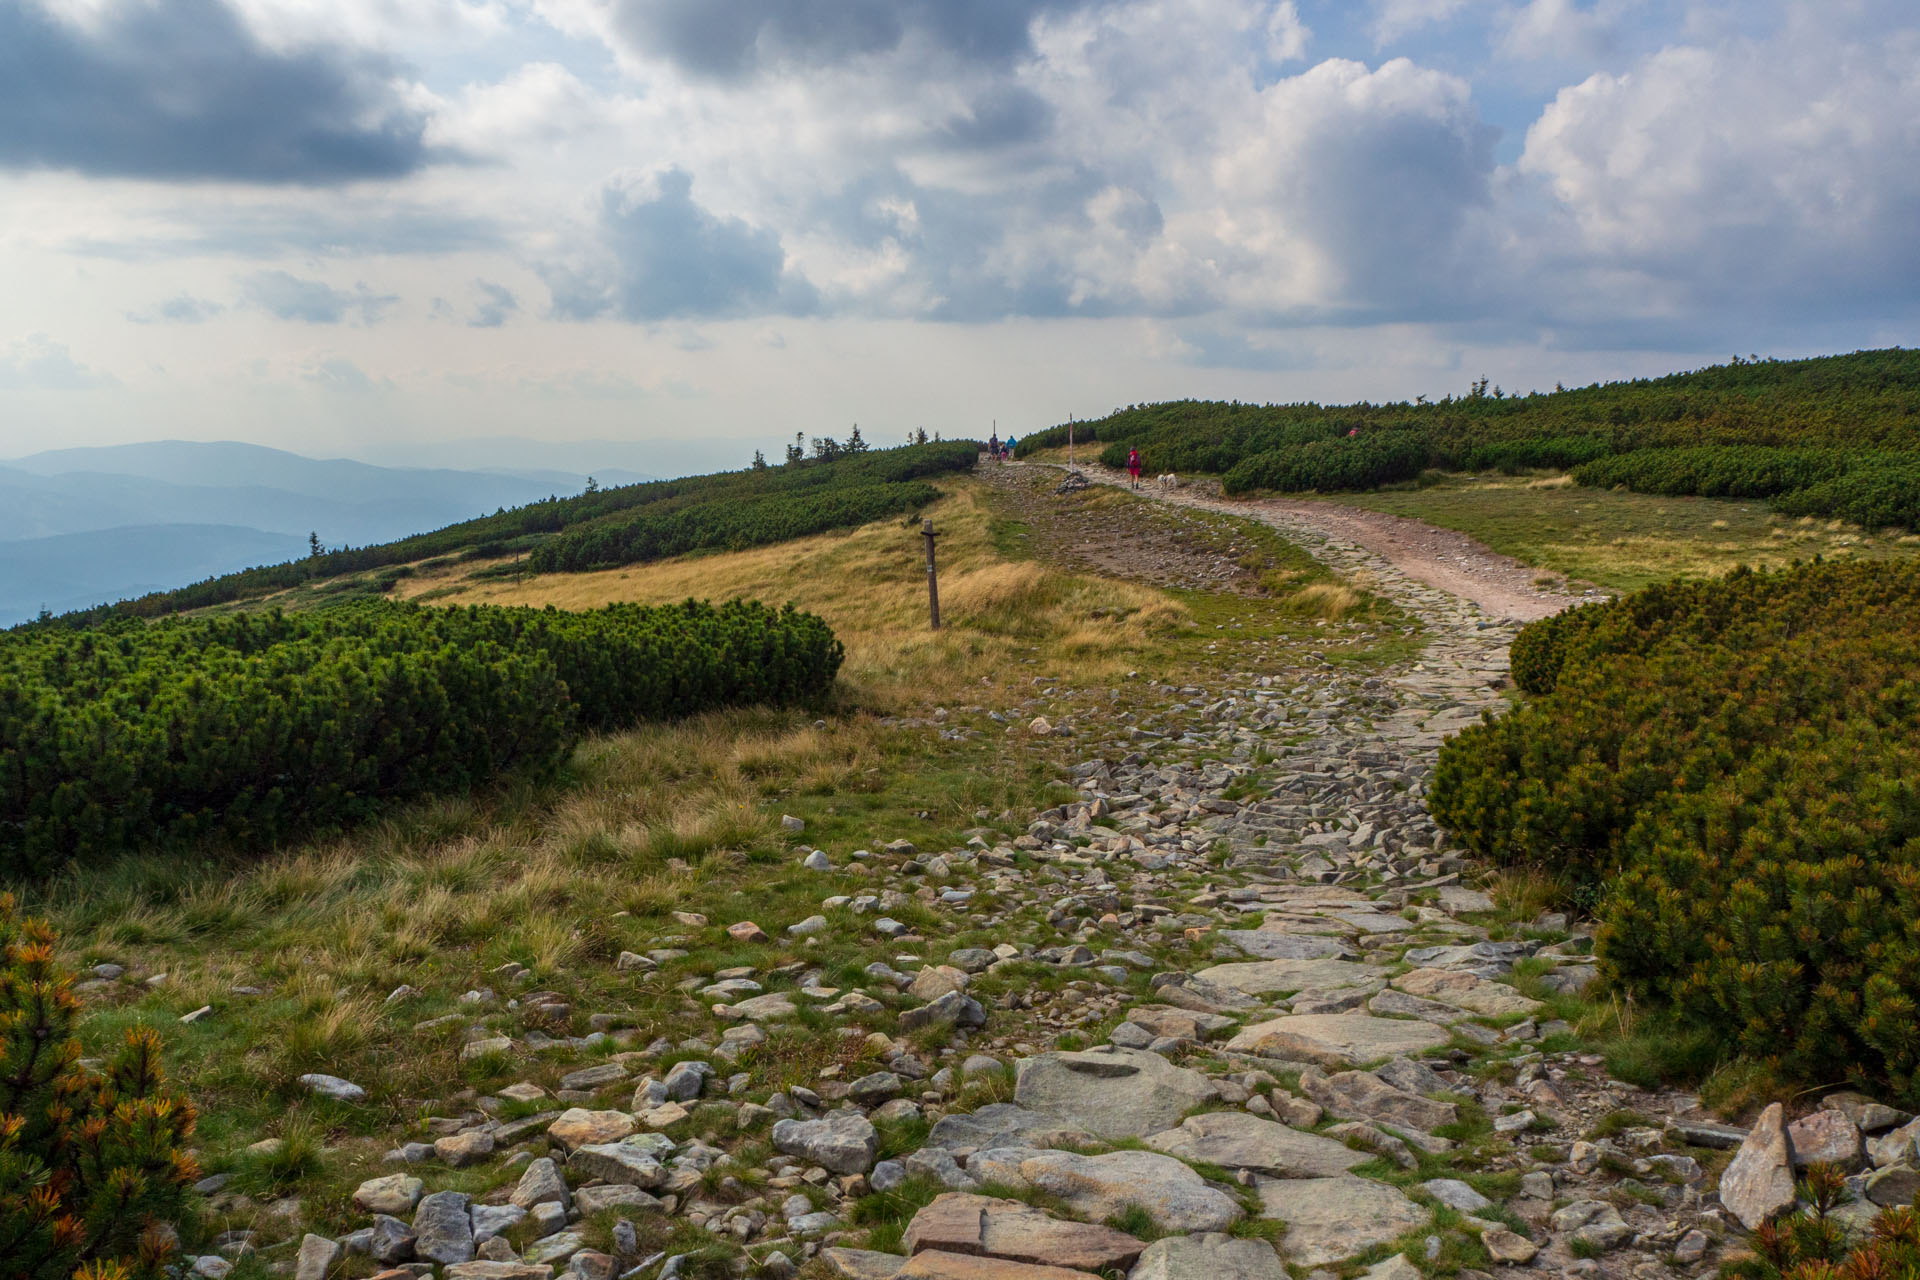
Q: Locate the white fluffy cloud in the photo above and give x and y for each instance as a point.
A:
(1784, 168)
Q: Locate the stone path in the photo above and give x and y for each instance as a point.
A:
(1282, 1028)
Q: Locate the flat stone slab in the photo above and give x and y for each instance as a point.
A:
(1264, 944)
(961, 1223)
(1002, 1124)
(1177, 1198)
(1208, 1256)
(1360, 1095)
(1337, 1039)
(1329, 1219)
(1109, 1091)
(776, 1006)
(1466, 991)
(936, 1265)
(862, 1264)
(1237, 1140)
(578, 1127)
(1266, 977)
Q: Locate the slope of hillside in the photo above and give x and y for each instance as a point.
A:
(1834, 436)
(76, 570)
(151, 506)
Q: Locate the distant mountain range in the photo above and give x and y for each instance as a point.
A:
(86, 526)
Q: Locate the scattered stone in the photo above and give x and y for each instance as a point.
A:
(334, 1087)
(1101, 1187)
(1825, 1137)
(972, 1224)
(1759, 1182)
(1329, 1219)
(1236, 1140)
(317, 1255)
(1337, 1039)
(397, 1193)
(1508, 1246)
(843, 1142)
(578, 1128)
(442, 1230)
(1112, 1092)
(1208, 1256)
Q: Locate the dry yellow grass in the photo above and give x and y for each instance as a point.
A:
(871, 587)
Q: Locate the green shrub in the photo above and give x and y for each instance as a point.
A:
(1839, 435)
(1728, 773)
(93, 1167)
(254, 727)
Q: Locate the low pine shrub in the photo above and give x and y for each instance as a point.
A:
(255, 727)
(1728, 774)
(1813, 1243)
(93, 1168)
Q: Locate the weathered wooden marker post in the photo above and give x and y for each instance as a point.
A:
(933, 582)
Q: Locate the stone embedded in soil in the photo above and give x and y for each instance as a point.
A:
(962, 1223)
(1111, 1092)
(1337, 1039)
(334, 1087)
(1759, 1182)
(1358, 1095)
(397, 1193)
(936, 1265)
(442, 1229)
(1329, 1219)
(1236, 1140)
(578, 1127)
(1269, 977)
(1825, 1137)
(1508, 1246)
(1263, 944)
(843, 1142)
(1101, 1187)
(1467, 991)
(1208, 1256)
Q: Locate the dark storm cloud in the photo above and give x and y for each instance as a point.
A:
(663, 256)
(729, 39)
(313, 301)
(183, 90)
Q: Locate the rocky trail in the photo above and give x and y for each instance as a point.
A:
(1269, 1019)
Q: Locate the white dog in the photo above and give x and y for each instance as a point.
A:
(1168, 481)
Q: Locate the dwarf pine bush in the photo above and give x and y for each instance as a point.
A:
(93, 1170)
(1729, 774)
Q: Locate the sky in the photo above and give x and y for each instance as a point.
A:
(389, 228)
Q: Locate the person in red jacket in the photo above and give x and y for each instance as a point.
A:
(1133, 466)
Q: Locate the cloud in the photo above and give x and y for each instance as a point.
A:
(732, 39)
(313, 301)
(662, 256)
(184, 90)
(1394, 19)
(337, 373)
(1783, 170)
(37, 363)
(496, 305)
(182, 308)
(345, 227)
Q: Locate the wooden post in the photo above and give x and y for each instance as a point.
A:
(933, 582)
(1070, 465)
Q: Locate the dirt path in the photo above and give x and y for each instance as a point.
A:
(1501, 586)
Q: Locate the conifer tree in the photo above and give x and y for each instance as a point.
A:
(93, 1167)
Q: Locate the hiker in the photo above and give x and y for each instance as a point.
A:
(1133, 466)
(993, 446)
(1008, 448)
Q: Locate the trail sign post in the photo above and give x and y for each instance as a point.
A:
(933, 581)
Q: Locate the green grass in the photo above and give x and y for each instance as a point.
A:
(1618, 540)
